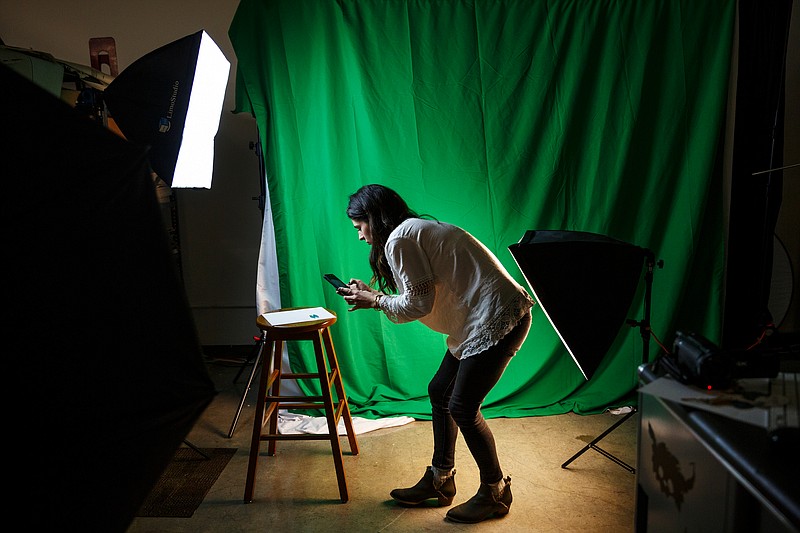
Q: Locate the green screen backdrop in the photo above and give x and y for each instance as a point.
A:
(499, 117)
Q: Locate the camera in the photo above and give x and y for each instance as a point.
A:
(697, 361)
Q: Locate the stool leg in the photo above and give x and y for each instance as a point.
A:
(333, 361)
(330, 415)
(275, 390)
(258, 426)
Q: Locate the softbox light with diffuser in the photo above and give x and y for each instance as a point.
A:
(171, 100)
(585, 284)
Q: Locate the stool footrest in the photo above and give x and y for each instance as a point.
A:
(287, 399)
(330, 375)
(301, 406)
(301, 375)
(296, 436)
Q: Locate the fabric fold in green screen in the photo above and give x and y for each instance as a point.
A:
(500, 117)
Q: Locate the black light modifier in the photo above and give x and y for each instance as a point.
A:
(171, 100)
(584, 284)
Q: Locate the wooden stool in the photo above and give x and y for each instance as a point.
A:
(270, 400)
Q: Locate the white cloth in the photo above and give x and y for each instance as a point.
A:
(292, 424)
(452, 283)
(268, 294)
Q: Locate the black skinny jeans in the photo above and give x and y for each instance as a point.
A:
(457, 391)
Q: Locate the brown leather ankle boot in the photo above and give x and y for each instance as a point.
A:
(483, 505)
(424, 490)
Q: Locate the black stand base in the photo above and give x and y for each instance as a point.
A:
(593, 446)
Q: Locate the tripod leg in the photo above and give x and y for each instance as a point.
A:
(195, 448)
(253, 354)
(593, 446)
(256, 362)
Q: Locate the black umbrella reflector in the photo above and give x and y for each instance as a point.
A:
(584, 283)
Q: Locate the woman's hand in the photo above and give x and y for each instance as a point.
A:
(360, 285)
(358, 294)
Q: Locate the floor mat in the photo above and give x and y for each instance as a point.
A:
(184, 484)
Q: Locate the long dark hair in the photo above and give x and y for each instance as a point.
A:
(383, 209)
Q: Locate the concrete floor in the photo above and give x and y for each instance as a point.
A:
(296, 490)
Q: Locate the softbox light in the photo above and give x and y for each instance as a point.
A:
(584, 283)
(171, 100)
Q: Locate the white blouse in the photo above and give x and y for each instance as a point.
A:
(452, 283)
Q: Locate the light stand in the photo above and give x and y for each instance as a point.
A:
(585, 283)
(255, 355)
(644, 329)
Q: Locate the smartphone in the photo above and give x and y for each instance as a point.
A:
(333, 280)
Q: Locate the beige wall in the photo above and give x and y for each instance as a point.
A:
(220, 228)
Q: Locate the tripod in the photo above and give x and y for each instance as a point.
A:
(255, 355)
(644, 329)
(256, 358)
